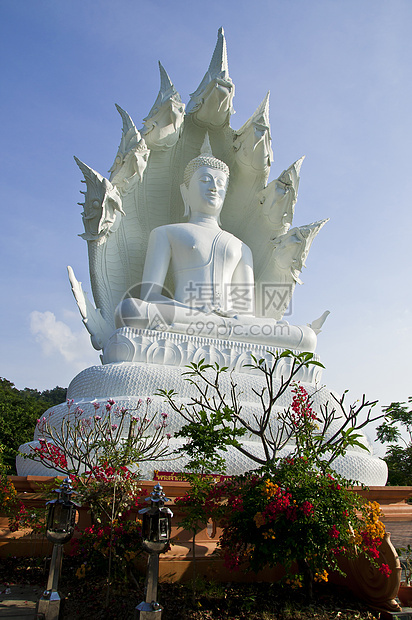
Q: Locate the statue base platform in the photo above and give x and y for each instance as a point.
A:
(149, 346)
(159, 361)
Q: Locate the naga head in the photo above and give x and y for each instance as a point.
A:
(211, 104)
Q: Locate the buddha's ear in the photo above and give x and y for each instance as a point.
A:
(185, 196)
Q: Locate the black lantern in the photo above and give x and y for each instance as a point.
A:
(62, 515)
(60, 528)
(156, 530)
(157, 522)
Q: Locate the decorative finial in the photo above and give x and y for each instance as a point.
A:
(206, 149)
(218, 65)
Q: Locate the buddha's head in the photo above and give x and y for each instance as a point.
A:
(205, 183)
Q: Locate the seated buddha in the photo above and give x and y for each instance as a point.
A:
(212, 272)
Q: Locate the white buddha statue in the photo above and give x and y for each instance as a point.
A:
(224, 304)
(212, 272)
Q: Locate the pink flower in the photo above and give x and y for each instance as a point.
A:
(148, 400)
(168, 435)
(164, 415)
(111, 401)
(96, 406)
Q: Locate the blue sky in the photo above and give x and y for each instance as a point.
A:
(339, 72)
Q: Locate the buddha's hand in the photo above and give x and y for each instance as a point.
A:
(209, 309)
(229, 313)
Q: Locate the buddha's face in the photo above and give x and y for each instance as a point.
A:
(206, 192)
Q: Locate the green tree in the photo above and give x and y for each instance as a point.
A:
(398, 457)
(19, 412)
(51, 397)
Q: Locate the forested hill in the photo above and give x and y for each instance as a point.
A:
(19, 412)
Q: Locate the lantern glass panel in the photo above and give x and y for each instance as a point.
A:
(163, 528)
(60, 522)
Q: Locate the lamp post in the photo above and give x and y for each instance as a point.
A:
(60, 528)
(156, 528)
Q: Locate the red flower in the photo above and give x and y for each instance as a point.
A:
(373, 552)
(333, 532)
(385, 570)
(308, 508)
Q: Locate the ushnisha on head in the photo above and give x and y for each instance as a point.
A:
(205, 158)
(213, 176)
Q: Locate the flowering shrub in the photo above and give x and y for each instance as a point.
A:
(214, 418)
(8, 495)
(21, 517)
(28, 518)
(302, 412)
(110, 492)
(49, 454)
(296, 512)
(298, 516)
(34, 518)
(122, 540)
(112, 435)
(196, 504)
(101, 453)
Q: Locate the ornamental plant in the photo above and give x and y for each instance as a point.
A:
(297, 511)
(33, 518)
(110, 492)
(324, 434)
(19, 516)
(293, 514)
(204, 434)
(113, 434)
(9, 502)
(101, 453)
(122, 541)
(25, 518)
(405, 556)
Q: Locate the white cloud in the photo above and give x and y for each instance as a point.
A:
(55, 336)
